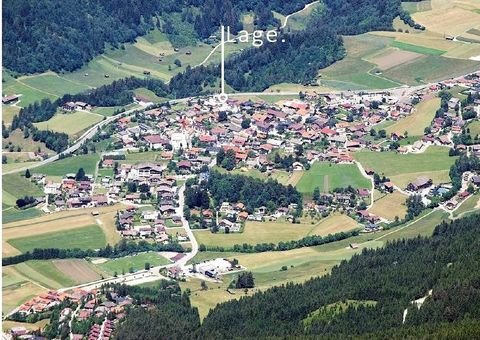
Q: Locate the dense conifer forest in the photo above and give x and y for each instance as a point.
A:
(380, 284)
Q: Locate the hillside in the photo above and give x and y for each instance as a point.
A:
(365, 297)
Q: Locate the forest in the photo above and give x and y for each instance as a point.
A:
(252, 192)
(379, 283)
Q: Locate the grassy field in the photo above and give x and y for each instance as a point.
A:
(450, 17)
(26, 144)
(30, 326)
(78, 270)
(88, 237)
(299, 20)
(54, 84)
(390, 206)
(430, 68)
(328, 176)
(70, 165)
(416, 122)
(137, 262)
(423, 227)
(402, 169)
(416, 48)
(145, 93)
(414, 7)
(260, 232)
(11, 214)
(59, 223)
(354, 71)
(470, 204)
(278, 175)
(70, 123)
(139, 157)
(44, 273)
(8, 111)
(16, 186)
(28, 94)
(474, 128)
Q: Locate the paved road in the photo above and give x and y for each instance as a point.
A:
(183, 261)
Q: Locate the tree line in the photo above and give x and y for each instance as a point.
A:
(123, 248)
(307, 241)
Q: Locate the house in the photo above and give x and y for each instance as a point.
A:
(10, 99)
(99, 200)
(155, 141)
(175, 272)
(419, 183)
(389, 186)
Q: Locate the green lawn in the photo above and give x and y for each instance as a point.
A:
(327, 177)
(416, 48)
(70, 123)
(89, 237)
(137, 262)
(402, 169)
(70, 165)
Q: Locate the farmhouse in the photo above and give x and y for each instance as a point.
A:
(10, 99)
(419, 183)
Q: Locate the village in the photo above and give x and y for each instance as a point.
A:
(237, 136)
(245, 135)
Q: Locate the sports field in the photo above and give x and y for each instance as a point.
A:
(137, 262)
(390, 206)
(327, 176)
(88, 237)
(70, 165)
(402, 169)
(274, 232)
(70, 123)
(416, 122)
